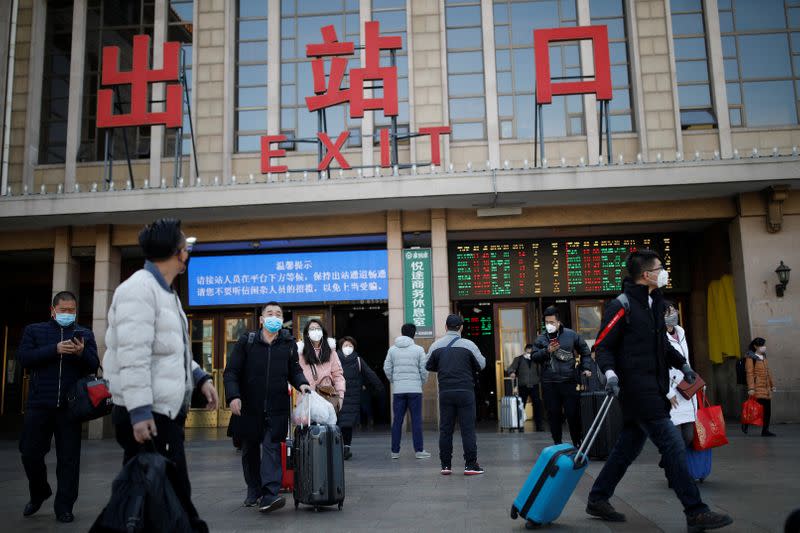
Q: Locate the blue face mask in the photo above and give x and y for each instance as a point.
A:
(273, 324)
(65, 319)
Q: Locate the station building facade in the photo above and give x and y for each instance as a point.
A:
(704, 168)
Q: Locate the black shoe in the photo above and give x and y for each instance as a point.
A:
(707, 520)
(65, 517)
(744, 428)
(473, 470)
(251, 501)
(34, 505)
(347, 453)
(267, 504)
(605, 511)
(768, 434)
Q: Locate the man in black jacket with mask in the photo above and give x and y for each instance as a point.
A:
(555, 350)
(56, 353)
(255, 379)
(633, 352)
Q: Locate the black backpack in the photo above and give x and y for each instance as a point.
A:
(741, 371)
(145, 497)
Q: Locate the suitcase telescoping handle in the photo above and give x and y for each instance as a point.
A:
(594, 430)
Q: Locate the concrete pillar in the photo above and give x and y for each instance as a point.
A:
(590, 117)
(157, 132)
(490, 79)
(66, 270)
(394, 246)
(35, 71)
(107, 261)
(717, 70)
(441, 302)
(75, 106)
(756, 254)
(273, 69)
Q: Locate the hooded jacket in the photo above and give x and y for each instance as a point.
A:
(638, 352)
(405, 366)
(759, 377)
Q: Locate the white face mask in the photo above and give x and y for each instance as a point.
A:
(347, 350)
(315, 335)
(527, 355)
(663, 278)
(551, 328)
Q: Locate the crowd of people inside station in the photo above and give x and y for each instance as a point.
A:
(641, 359)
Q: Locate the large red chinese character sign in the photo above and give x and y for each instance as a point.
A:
(139, 77)
(546, 88)
(328, 92)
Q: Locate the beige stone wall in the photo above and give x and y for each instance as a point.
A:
(656, 79)
(426, 47)
(756, 254)
(19, 101)
(209, 92)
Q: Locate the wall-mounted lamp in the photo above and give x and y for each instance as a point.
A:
(783, 279)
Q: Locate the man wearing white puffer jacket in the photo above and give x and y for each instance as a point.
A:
(148, 362)
(405, 369)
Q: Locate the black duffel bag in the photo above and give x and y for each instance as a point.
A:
(89, 398)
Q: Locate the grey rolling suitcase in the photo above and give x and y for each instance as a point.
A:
(591, 403)
(512, 412)
(318, 466)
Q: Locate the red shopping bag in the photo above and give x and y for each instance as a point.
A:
(709, 427)
(752, 413)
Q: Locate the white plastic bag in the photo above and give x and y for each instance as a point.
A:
(316, 407)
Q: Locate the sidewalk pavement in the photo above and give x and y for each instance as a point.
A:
(756, 480)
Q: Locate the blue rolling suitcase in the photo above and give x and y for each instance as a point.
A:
(555, 476)
(699, 463)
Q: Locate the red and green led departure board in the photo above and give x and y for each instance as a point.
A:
(556, 267)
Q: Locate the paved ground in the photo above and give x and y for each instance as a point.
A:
(756, 480)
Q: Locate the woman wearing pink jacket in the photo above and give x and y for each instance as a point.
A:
(319, 360)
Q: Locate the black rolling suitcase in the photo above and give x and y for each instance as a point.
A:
(318, 466)
(608, 433)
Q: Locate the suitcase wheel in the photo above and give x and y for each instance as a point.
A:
(530, 524)
(514, 513)
(341, 505)
(296, 504)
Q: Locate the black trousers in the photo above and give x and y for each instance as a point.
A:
(767, 404)
(563, 398)
(534, 394)
(261, 465)
(40, 425)
(457, 405)
(347, 435)
(168, 441)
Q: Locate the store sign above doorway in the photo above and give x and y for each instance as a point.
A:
(310, 277)
(371, 88)
(418, 289)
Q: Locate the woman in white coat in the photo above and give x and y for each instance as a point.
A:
(683, 411)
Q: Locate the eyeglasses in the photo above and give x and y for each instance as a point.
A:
(656, 269)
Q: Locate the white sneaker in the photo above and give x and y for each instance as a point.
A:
(423, 454)
(395, 455)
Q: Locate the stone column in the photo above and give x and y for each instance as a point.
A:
(394, 246)
(662, 135)
(210, 73)
(717, 69)
(441, 302)
(106, 279)
(35, 71)
(66, 270)
(157, 132)
(756, 253)
(75, 107)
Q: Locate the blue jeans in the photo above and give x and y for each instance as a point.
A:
(669, 442)
(411, 401)
(261, 462)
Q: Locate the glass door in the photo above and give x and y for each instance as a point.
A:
(201, 332)
(233, 327)
(302, 316)
(511, 336)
